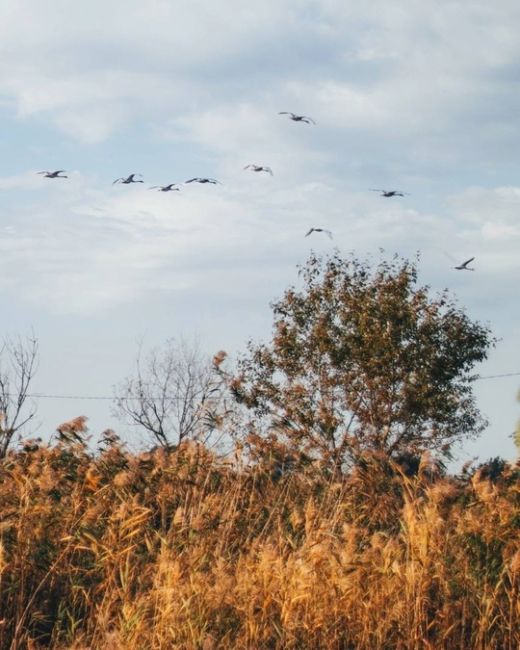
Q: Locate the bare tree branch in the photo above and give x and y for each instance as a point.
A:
(173, 391)
(18, 365)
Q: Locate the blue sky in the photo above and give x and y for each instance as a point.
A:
(422, 97)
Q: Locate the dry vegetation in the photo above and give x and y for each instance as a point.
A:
(181, 549)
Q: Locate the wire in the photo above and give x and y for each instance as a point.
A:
(93, 397)
(509, 374)
(99, 397)
(171, 397)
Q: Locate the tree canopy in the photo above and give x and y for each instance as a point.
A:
(363, 358)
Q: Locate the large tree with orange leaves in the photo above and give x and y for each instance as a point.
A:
(363, 358)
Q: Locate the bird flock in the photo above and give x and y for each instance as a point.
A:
(174, 187)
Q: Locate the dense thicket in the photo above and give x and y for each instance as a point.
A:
(180, 549)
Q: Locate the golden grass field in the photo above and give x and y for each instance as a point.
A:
(185, 550)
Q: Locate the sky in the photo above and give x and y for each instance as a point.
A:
(422, 97)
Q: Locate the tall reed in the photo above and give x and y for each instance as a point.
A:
(184, 550)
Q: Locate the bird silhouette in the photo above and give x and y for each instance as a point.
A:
(55, 174)
(259, 168)
(203, 180)
(172, 187)
(327, 232)
(389, 193)
(464, 266)
(298, 118)
(128, 180)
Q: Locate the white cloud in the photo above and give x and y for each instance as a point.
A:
(23, 181)
(89, 248)
(91, 70)
(94, 71)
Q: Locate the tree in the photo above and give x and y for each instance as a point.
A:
(363, 359)
(18, 365)
(175, 394)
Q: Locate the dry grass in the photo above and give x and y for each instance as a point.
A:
(179, 550)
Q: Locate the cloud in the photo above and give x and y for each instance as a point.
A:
(23, 181)
(85, 248)
(89, 73)
(407, 68)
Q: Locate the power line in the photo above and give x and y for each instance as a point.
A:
(509, 374)
(99, 397)
(92, 397)
(171, 397)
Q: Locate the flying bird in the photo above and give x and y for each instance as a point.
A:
(327, 232)
(55, 174)
(203, 180)
(464, 266)
(128, 180)
(172, 187)
(389, 193)
(259, 168)
(298, 118)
